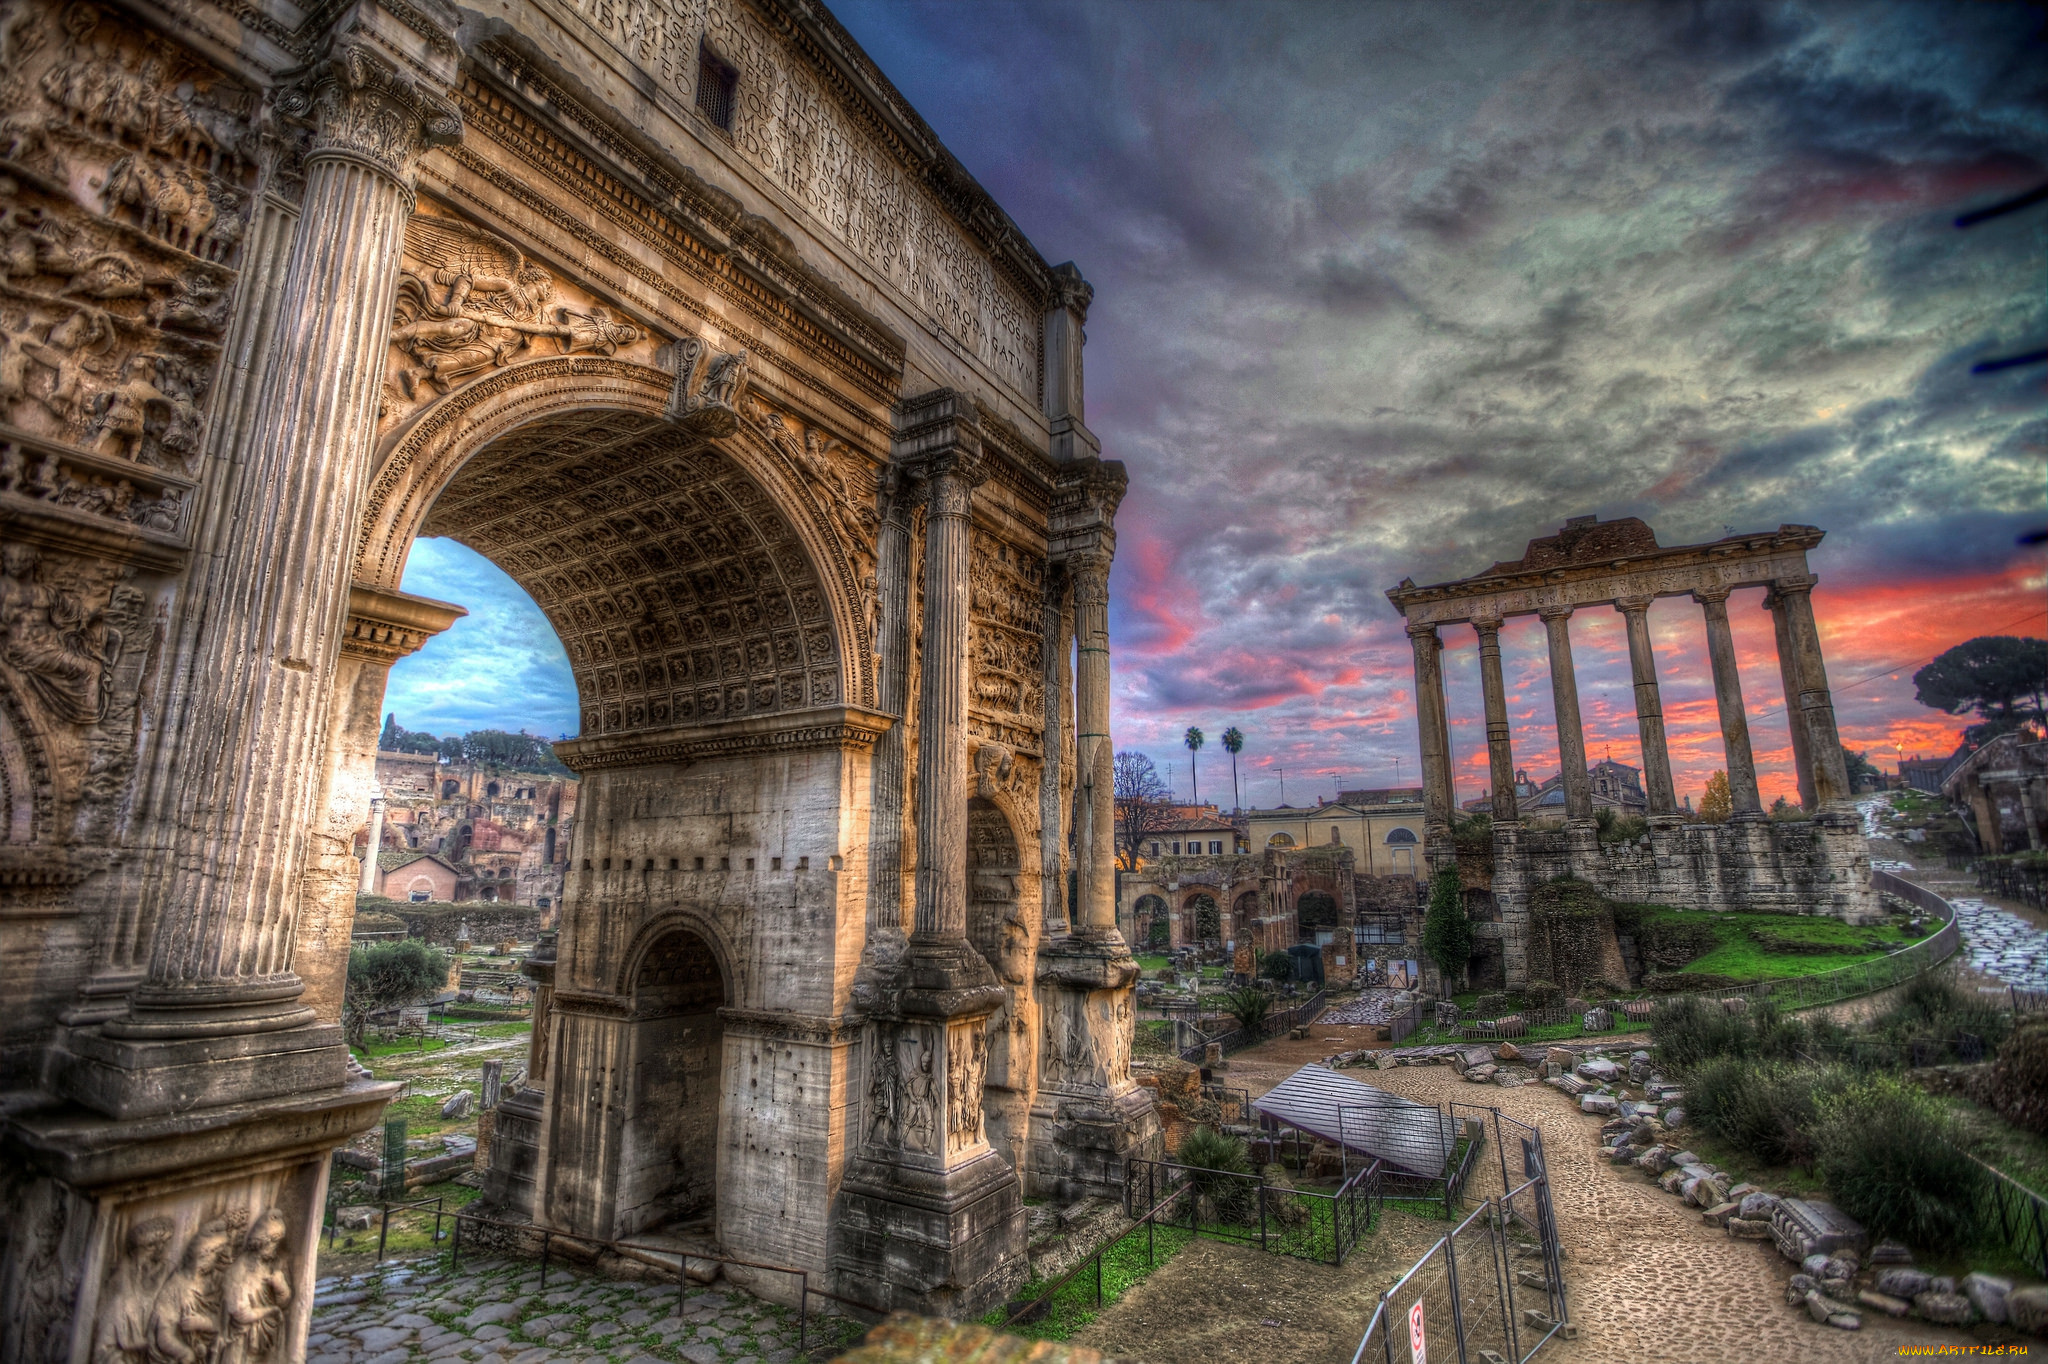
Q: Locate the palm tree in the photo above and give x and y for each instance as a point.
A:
(1233, 742)
(1194, 739)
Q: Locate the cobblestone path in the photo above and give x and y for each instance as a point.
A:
(495, 1312)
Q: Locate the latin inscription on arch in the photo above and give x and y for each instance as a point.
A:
(791, 128)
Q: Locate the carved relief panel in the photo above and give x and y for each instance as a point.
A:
(470, 301)
(127, 177)
(77, 644)
(845, 484)
(1006, 645)
(791, 126)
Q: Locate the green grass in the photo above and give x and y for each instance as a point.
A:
(1743, 958)
(1149, 961)
(1124, 1264)
(412, 1231)
(403, 1046)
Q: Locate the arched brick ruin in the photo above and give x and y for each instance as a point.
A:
(777, 418)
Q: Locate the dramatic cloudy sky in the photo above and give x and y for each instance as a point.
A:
(1385, 290)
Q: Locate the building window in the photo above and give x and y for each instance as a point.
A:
(775, 864)
(1380, 931)
(1215, 847)
(543, 902)
(1176, 849)
(1155, 849)
(420, 897)
(700, 863)
(717, 84)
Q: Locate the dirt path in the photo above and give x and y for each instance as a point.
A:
(1647, 1282)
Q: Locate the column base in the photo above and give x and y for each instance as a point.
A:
(135, 1078)
(1081, 1145)
(109, 1215)
(945, 1244)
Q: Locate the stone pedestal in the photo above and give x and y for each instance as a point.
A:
(1511, 895)
(930, 1215)
(1090, 1117)
(193, 1230)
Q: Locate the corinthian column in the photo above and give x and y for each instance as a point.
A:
(1642, 662)
(942, 700)
(1728, 700)
(1094, 792)
(1816, 702)
(1571, 734)
(1434, 732)
(1795, 719)
(221, 965)
(1500, 753)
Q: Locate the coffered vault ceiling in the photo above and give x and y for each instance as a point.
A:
(680, 593)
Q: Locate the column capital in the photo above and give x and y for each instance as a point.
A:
(950, 477)
(1486, 625)
(1785, 587)
(1629, 606)
(362, 108)
(1070, 291)
(1088, 570)
(1710, 596)
(1554, 611)
(1421, 630)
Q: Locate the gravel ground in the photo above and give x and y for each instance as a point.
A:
(1646, 1281)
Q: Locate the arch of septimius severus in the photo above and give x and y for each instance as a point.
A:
(676, 311)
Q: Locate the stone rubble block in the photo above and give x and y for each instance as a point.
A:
(1943, 1309)
(2027, 1309)
(1988, 1295)
(1884, 1302)
(1743, 1229)
(1718, 1215)
(1600, 1070)
(1598, 1103)
(1903, 1282)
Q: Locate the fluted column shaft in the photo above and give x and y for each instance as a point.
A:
(1564, 695)
(1795, 718)
(892, 644)
(1642, 662)
(1061, 752)
(1095, 798)
(1500, 753)
(942, 701)
(1433, 731)
(1728, 698)
(1816, 702)
(272, 632)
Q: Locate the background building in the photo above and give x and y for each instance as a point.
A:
(1382, 827)
(502, 832)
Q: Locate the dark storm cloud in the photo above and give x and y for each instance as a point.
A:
(1385, 290)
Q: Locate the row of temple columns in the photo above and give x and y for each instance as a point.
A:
(1816, 743)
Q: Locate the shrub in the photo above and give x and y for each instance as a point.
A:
(2018, 1084)
(1687, 1031)
(1767, 1109)
(1248, 1006)
(1936, 1009)
(1887, 1154)
(1277, 966)
(1446, 929)
(1212, 1158)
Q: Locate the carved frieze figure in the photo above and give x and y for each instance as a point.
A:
(708, 385)
(60, 651)
(478, 304)
(1120, 1040)
(967, 1064)
(122, 1335)
(921, 1100)
(257, 1290)
(47, 1287)
(124, 409)
(884, 1123)
(184, 1319)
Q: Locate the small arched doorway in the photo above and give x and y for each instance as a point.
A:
(668, 1147)
(1244, 913)
(1151, 921)
(1401, 846)
(1200, 915)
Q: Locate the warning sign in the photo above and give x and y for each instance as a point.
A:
(1416, 1343)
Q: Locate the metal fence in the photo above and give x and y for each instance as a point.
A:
(1490, 1289)
(1308, 1224)
(2012, 881)
(1402, 1025)
(2020, 1216)
(1273, 1025)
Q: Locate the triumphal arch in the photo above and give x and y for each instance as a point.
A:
(680, 314)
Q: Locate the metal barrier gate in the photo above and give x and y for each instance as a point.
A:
(1490, 1292)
